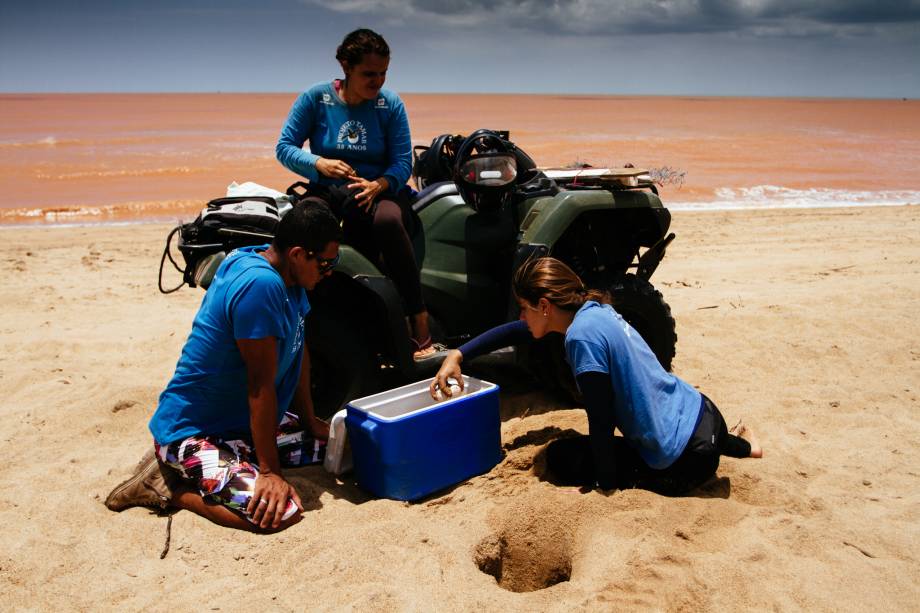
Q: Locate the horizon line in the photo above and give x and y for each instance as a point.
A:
(455, 93)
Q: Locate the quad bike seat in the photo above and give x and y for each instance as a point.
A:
(432, 193)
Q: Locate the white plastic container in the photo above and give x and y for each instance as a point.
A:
(338, 453)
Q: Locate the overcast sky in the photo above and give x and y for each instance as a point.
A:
(850, 48)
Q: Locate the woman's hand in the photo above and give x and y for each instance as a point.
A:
(369, 190)
(270, 500)
(334, 169)
(450, 369)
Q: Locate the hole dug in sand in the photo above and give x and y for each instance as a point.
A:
(524, 560)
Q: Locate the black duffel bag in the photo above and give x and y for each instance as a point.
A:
(224, 225)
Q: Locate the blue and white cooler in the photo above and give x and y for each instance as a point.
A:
(405, 445)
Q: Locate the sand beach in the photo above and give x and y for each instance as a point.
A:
(803, 322)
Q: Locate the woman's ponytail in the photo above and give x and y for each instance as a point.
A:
(551, 279)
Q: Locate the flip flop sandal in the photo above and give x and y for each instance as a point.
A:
(734, 429)
(425, 344)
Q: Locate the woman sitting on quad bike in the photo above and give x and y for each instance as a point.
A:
(358, 162)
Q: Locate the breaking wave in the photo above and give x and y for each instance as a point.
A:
(760, 197)
(95, 174)
(48, 141)
(776, 197)
(128, 212)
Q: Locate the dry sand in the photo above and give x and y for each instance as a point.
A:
(803, 322)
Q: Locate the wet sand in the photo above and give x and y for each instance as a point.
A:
(801, 322)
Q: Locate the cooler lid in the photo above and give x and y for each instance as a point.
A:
(401, 402)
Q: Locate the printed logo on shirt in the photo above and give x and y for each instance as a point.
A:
(298, 338)
(327, 99)
(627, 329)
(381, 103)
(352, 136)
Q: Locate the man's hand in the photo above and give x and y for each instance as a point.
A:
(317, 427)
(334, 169)
(369, 190)
(270, 500)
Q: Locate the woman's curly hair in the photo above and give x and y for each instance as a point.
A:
(359, 43)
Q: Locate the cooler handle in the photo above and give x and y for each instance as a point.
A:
(370, 428)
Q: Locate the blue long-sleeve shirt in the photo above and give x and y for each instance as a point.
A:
(372, 137)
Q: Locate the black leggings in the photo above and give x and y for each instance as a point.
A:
(570, 461)
(380, 235)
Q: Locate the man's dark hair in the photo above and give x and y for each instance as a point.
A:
(311, 226)
(359, 43)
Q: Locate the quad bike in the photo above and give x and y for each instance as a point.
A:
(609, 226)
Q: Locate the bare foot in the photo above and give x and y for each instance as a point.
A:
(747, 434)
(424, 353)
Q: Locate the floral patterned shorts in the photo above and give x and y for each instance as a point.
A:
(223, 468)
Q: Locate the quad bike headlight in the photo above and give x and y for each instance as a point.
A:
(489, 170)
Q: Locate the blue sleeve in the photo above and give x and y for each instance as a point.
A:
(294, 134)
(585, 356)
(505, 335)
(399, 147)
(255, 307)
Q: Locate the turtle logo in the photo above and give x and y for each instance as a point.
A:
(352, 135)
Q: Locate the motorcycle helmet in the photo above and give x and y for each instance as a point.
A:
(486, 170)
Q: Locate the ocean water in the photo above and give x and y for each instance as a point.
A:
(114, 157)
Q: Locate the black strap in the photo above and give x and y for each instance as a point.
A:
(167, 254)
(298, 190)
(267, 200)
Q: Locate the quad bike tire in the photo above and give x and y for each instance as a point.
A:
(342, 367)
(644, 308)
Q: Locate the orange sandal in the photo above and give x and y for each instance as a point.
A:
(419, 346)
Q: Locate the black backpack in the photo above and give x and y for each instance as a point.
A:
(435, 163)
(224, 225)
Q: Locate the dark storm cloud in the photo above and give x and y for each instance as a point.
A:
(853, 48)
(854, 12)
(575, 17)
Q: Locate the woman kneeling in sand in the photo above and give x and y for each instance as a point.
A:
(673, 436)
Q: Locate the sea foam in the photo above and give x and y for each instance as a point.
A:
(778, 197)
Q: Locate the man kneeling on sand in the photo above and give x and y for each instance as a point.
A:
(242, 386)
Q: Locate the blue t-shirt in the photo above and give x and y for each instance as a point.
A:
(653, 409)
(373, 137)
(208, 392)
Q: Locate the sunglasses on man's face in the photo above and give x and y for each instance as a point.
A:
(325, 264)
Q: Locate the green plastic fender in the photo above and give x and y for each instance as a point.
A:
(547, 219)
(352, 263)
